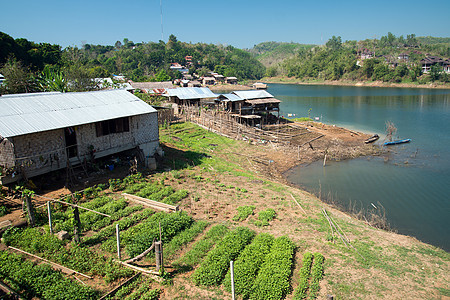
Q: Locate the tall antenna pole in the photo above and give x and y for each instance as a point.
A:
(162, 30)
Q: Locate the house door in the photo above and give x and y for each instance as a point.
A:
(71, 142)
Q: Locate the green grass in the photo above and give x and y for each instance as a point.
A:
(198, 147)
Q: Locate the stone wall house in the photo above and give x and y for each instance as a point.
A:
(40, 132)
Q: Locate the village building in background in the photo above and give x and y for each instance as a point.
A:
(155, 88)
(429, 61)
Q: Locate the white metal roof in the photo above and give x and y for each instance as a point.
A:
(255, 94)
(232, 97)
(191, 93)
(28, 113)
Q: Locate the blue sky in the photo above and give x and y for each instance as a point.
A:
(241, 23)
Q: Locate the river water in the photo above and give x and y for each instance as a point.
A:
(413, 185)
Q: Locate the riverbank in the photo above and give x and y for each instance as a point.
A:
(380, 265)
(290, 80)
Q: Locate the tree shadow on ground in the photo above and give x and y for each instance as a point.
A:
(177, 159)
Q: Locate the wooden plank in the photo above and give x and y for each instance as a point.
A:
(150, 273)
(151, 203)
(58, 266)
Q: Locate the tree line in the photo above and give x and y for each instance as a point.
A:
(31, 67)
(337, 60)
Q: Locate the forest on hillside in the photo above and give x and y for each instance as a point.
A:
(29, 66)
(366, 60)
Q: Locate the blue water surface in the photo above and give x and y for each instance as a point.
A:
(413, 185)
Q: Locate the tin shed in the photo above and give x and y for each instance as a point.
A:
(41, 132)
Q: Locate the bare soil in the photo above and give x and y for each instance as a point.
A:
(405, 268)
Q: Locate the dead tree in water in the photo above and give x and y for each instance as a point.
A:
(391, 130)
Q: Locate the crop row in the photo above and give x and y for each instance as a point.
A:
(81, 259)
(248, 263)
(310, 275)
(171, 224)
(305, 273)
(40, 280)
(316, 275)
(116, 216)
(124, 223)
(272, 281)
(157, 192)
(140, 289)
(213, 269)
(140, 237)
(198, 251)
(183, 238)
(89, 218)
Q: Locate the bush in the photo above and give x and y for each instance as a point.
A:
(265, 216)
(214, 267)
(248, 264)
(243, 212)
(272, 281)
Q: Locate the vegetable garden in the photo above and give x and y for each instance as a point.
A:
(263, 263)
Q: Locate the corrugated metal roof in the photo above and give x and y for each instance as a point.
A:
(28, 113)
(232, 97)
(248, 95)
(191, 93)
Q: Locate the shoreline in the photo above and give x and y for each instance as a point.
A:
(288, 80)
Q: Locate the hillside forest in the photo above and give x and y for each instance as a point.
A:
(388, 59)
(33, 67)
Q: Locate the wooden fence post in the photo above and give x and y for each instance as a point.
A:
(49, 216)
(232, 279)
(118, 240)
(30, 210)
(77, 227)
(159, 255)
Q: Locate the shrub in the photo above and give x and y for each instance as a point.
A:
(4, 210)
(248, 264)
(272, 281)
(243, 212)
(214, 267)
(265, 216)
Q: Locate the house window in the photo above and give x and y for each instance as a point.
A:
(112, 126)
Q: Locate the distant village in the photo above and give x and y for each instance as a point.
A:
(393, 61)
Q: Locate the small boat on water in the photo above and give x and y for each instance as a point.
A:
(372, 139)
(397, 142)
